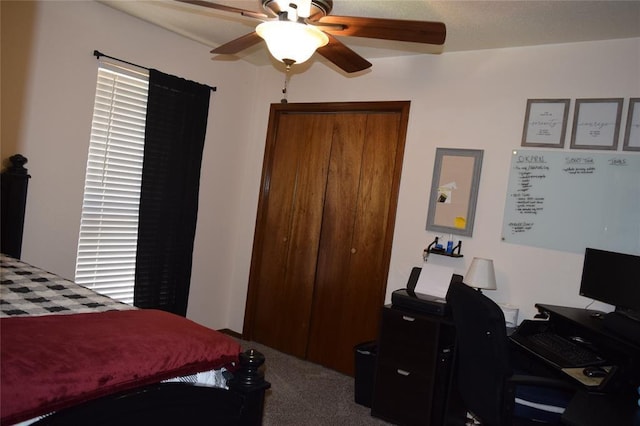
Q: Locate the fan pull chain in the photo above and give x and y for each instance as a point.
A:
(284, 89)
(288, 62)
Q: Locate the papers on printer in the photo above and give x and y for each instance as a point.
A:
(434, 280)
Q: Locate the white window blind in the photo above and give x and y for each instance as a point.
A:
(107, 243)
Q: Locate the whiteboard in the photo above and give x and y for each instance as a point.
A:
(570, 200)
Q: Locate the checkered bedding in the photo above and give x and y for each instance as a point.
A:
(26, 290)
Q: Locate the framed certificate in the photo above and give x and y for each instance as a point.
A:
(596, 124)
(545, 123)
(632, 133)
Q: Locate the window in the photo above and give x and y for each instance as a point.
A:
(106, 258)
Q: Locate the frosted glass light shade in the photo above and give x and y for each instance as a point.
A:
(293, 41)
(481, 274)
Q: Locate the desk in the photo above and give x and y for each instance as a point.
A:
(588, 409)
(414, 381)
(613, 403)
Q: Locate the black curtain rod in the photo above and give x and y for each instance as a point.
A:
(98, 54)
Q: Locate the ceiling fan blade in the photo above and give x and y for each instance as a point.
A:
(235, 46)
(386, 29)
(342, 56)
(225, 8)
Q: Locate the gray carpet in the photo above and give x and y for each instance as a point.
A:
(303, 393)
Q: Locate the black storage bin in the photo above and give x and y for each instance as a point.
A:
(365, 359)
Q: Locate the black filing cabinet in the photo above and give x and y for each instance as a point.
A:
(414, 383)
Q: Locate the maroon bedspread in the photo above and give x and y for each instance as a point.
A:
(51, 362)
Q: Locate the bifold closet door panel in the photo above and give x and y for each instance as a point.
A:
(375, 221)
(288, 231)
(343, 182)
(353, 259)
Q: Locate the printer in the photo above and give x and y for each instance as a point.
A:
(407, 298)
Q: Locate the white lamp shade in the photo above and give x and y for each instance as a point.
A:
(481, 274)
(291, 40)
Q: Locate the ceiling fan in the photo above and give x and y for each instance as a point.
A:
(295, 29)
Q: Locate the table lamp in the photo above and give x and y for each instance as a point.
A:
(481, 275)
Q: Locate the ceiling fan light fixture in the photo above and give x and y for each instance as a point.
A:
(293, 41)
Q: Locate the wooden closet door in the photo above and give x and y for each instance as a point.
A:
(356, 234)
(324, 228)
(287, 237)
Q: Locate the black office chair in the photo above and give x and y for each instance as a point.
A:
(486, 380)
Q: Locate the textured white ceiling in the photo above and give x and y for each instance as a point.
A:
(471, 25)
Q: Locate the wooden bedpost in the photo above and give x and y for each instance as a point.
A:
(14, 182)
(249, 381)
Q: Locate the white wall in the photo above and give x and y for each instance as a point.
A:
(60, 88)
(477, 100)
(458, 100)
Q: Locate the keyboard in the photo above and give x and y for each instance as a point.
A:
(559, 351)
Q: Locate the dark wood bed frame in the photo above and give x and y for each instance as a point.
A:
(158, 404)
(178, 403)
(14, 181)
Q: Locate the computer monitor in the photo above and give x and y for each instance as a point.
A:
(612, 278)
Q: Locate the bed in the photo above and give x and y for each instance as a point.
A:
(69, 351)
(69, 355)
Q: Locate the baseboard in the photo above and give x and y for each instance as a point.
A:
(230, 333)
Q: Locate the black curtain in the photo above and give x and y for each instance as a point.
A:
(177, 112)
